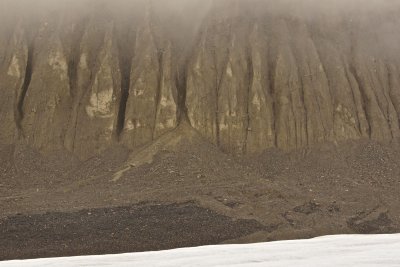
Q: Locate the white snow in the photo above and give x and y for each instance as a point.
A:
(342, 250)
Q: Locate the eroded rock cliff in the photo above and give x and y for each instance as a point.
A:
(248, 75)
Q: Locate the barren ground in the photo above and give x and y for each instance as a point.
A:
(183, 191)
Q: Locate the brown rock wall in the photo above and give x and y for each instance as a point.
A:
(245, 75)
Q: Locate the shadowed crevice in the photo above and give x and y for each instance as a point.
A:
(125, 57)
(74, 57)
(272, 92)
(181, 86)
(125, 85)
(250, 78)
(364, 98)
(19, 115)
(160, 84)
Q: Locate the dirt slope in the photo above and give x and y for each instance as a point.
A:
(351, 187)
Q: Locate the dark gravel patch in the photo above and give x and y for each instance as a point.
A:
(117, 230)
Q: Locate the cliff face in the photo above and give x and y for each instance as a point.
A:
(248, 75)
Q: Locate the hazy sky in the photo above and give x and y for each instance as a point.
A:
(181, 19)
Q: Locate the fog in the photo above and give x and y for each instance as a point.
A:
(193, 11)
(181, 20)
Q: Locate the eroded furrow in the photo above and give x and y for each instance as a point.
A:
(19, 114)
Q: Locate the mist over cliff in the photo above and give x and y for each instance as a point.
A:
(247, 75)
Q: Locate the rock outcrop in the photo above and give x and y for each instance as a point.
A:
(248, 75)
